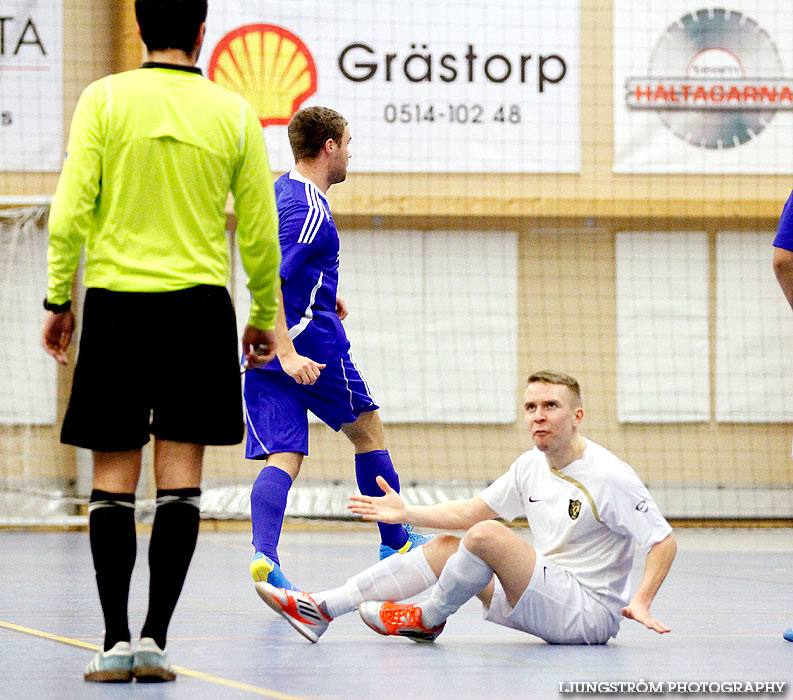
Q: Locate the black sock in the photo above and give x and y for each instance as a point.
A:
(173, 541)
(111, 524)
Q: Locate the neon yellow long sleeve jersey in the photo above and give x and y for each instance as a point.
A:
(152, 156)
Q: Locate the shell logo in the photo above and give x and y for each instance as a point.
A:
(269, 66)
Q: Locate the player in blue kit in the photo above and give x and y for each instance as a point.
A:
(314, 369)
(783, 269)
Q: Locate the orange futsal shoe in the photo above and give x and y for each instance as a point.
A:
(297, 608)
(398, 620)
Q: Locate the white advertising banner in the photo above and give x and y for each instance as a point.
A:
(703, 90)
(663, 349)
(31, 86)
(753, 379)
(426, 85)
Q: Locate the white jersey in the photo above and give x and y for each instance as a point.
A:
(584, 517)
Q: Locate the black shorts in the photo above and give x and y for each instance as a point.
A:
(159, 363)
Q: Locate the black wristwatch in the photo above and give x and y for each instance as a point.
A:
(57, 308)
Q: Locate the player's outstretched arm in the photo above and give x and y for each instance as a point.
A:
(452, 515)
(656, 567)
(383, 509)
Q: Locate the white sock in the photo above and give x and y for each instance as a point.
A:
(464, 575)
(398, 577)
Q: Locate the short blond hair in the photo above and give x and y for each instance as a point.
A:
(548, 376)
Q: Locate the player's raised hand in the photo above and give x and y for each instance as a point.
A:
(384, 509)
(641, 614)
(302, 369)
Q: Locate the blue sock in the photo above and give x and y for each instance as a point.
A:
(268, 505)
(369, 465)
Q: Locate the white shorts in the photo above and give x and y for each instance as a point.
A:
(554, 607)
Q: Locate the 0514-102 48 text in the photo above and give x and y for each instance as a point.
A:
(451, 113)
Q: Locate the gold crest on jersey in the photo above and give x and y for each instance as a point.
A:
(574, 509)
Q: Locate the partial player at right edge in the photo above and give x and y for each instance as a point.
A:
(783, 269)
(587, 510)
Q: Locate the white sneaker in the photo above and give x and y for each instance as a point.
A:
(297, 608)
(150, 664)
(111, 666)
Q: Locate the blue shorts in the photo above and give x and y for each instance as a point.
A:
(276, 405)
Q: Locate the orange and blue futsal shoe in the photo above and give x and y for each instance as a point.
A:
(297, 608)
(265, 569)
(414, 540)
(397, 620)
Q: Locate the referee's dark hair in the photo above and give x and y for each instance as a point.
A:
(170, 24)
(310, 128)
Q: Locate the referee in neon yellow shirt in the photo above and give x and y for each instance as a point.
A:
(152, 156)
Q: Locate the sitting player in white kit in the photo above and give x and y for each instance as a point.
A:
(586, 510)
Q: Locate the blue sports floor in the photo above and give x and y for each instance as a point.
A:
(728, 598)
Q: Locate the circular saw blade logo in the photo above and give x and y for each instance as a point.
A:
(269, 66)
(715, 79)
